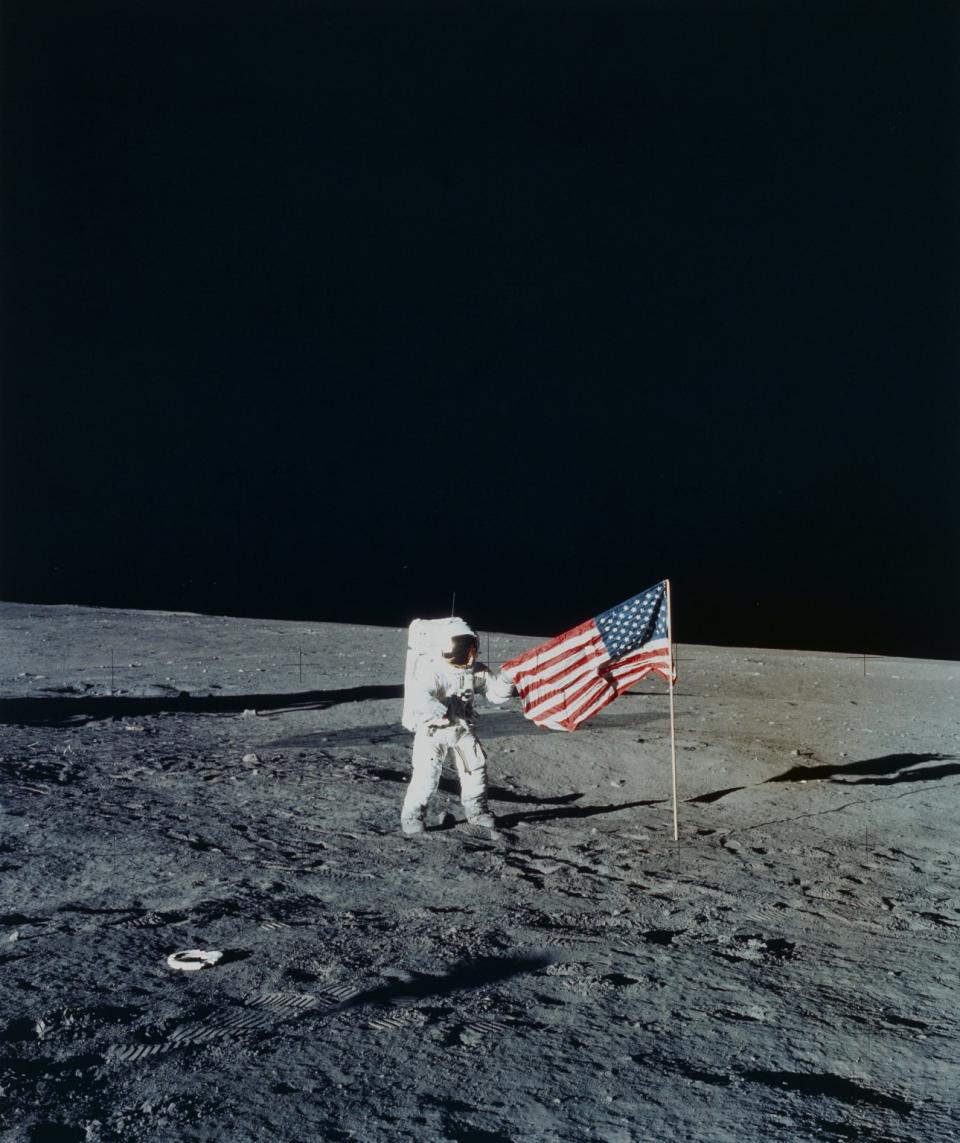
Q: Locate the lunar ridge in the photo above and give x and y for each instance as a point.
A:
(176, 783)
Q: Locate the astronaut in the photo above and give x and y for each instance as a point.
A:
(442, 679)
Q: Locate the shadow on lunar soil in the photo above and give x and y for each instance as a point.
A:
(714, 795)
(509, 820)
(898, 765)
(504, 724)
(466, 975)
(47, 711)
(823, 1084)
(887, 770)
(498, 793)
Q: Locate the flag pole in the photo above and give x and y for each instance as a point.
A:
(673, 732)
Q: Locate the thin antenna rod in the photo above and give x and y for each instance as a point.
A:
(453, 605)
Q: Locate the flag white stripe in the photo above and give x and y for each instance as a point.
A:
(600, 699)
(549, 688)
(554, 666)
(533, 660)
(566, 694)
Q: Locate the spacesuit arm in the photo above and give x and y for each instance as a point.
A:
(496, 688)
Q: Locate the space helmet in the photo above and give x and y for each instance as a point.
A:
(462, 650)
(450, 639)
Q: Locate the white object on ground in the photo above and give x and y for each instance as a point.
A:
(192, 960)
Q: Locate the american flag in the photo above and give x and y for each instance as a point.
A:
(564, 682)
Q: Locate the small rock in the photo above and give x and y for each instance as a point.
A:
(251, 759)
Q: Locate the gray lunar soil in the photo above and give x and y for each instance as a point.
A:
(786, 970)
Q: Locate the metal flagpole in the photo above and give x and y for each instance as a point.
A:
(673, 732)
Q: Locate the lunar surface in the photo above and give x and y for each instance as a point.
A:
(176, 786)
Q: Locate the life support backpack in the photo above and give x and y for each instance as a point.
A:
(427, 639)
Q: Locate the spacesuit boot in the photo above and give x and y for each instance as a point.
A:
(479, 815)
(412, 825)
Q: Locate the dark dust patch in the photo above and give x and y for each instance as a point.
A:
(716, 1079)
(21, 919)
(195, 841)
(39, 770)
(464, 1132)
(902, 1021)
(756, 947)
(939, 920)
(830, 1085)
(619, 980)
(661, 936)
(737, 1015)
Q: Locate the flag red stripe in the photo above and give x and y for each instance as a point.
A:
(597, 701)
(575, 704)
(551, 656)
(585, 662)
(568, 698)
(543, 650)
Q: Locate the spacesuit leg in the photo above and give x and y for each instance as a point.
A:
(429, 751)
(472, 768)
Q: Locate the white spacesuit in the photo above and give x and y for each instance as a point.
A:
(442, 678)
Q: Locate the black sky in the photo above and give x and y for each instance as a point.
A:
(330, 310)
